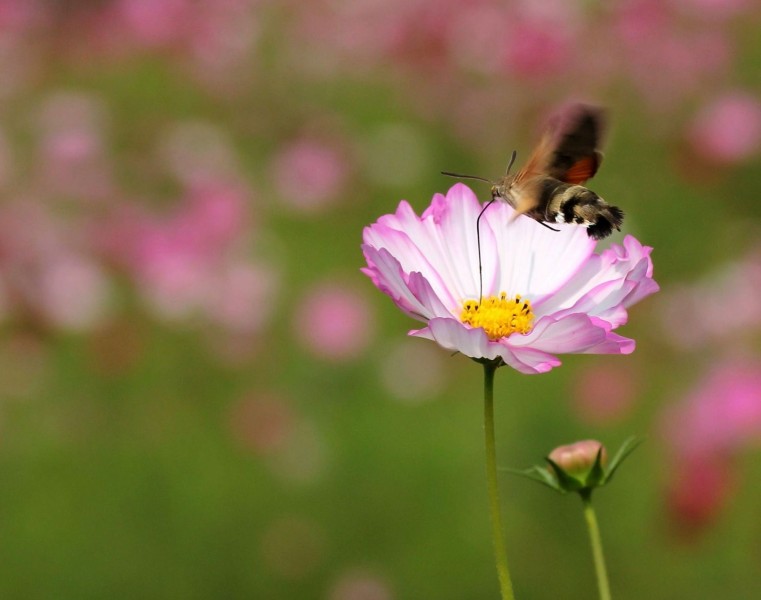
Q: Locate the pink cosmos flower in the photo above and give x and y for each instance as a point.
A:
(544, 292)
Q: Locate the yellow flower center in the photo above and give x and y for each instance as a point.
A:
(498, 316)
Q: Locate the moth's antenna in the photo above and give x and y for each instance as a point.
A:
(510, 164)
(461, 176)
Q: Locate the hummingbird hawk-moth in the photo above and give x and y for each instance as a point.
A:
(549, 188)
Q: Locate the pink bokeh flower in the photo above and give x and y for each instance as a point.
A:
(542, 42)
(240, 296)
(698, 492)
(309, 174)
(72, 147)
(194, 261)
(47, 270)
(665, 61)
(544, 292)
(728, 129)
(153, 22)
(605, 393)
(721, 415)
(74, 292)
(334, 323)
(688, 311)
(705, 433)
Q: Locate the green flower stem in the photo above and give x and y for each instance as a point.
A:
(500, 554)
(594, 536)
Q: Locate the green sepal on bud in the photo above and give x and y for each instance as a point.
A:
(579, 467)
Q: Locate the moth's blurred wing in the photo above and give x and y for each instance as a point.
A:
(576, 154)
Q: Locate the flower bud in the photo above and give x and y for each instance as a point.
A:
(577, 459)
(580, 467)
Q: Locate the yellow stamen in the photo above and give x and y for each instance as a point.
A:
(498, 316)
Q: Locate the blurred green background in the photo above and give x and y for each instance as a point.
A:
(202, 397)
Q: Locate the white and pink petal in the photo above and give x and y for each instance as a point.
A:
(529, 361)
(606, 285)
(564, 335)
(533, 260)
(453, 335)
(410, 292)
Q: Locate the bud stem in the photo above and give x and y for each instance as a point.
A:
(594, 537)
(500, 554)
